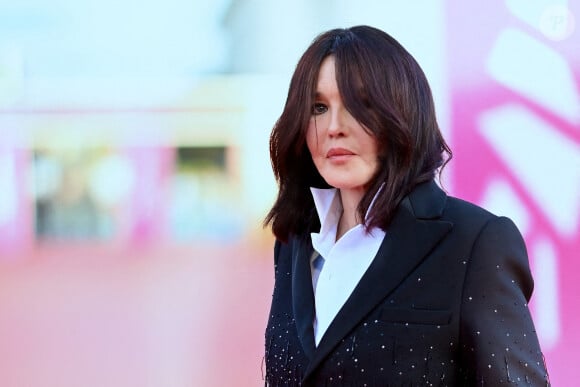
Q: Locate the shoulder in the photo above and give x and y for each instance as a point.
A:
(470, 215)
(459, 208)
(429, 201)
(483, 224)
(473, 218)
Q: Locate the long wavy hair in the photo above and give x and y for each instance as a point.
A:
(385, 90)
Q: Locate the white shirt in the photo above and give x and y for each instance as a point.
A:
(345, 260)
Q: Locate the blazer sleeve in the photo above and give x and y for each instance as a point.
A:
(498, 341)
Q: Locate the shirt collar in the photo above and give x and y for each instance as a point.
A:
(329, 208)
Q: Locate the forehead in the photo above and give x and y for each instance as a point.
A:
(327, 76)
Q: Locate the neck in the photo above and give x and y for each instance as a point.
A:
(349, 219)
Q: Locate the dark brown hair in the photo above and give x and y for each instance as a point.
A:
(383, 88)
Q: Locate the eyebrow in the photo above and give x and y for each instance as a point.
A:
(319, 94)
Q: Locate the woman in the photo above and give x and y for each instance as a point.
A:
(381, 279)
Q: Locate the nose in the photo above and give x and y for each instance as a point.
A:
(337, 126)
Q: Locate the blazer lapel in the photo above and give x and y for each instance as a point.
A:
(303, 295)
(408, 240)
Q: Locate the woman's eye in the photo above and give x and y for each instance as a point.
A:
(319, 108)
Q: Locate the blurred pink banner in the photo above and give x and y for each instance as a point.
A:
(515, 80)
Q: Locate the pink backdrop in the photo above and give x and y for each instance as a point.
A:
(514, 77)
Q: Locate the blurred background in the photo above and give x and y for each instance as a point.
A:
(134, 171)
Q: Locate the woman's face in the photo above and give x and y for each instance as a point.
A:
(343, 152)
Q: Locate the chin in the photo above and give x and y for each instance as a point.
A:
(346, 185)
(348, 181)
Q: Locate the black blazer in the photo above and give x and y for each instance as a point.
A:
(444, 303)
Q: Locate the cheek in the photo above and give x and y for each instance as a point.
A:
(371, 148)
(373, 156)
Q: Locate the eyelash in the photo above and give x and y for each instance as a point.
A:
(319, 108)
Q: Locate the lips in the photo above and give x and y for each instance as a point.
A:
(336, 152)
